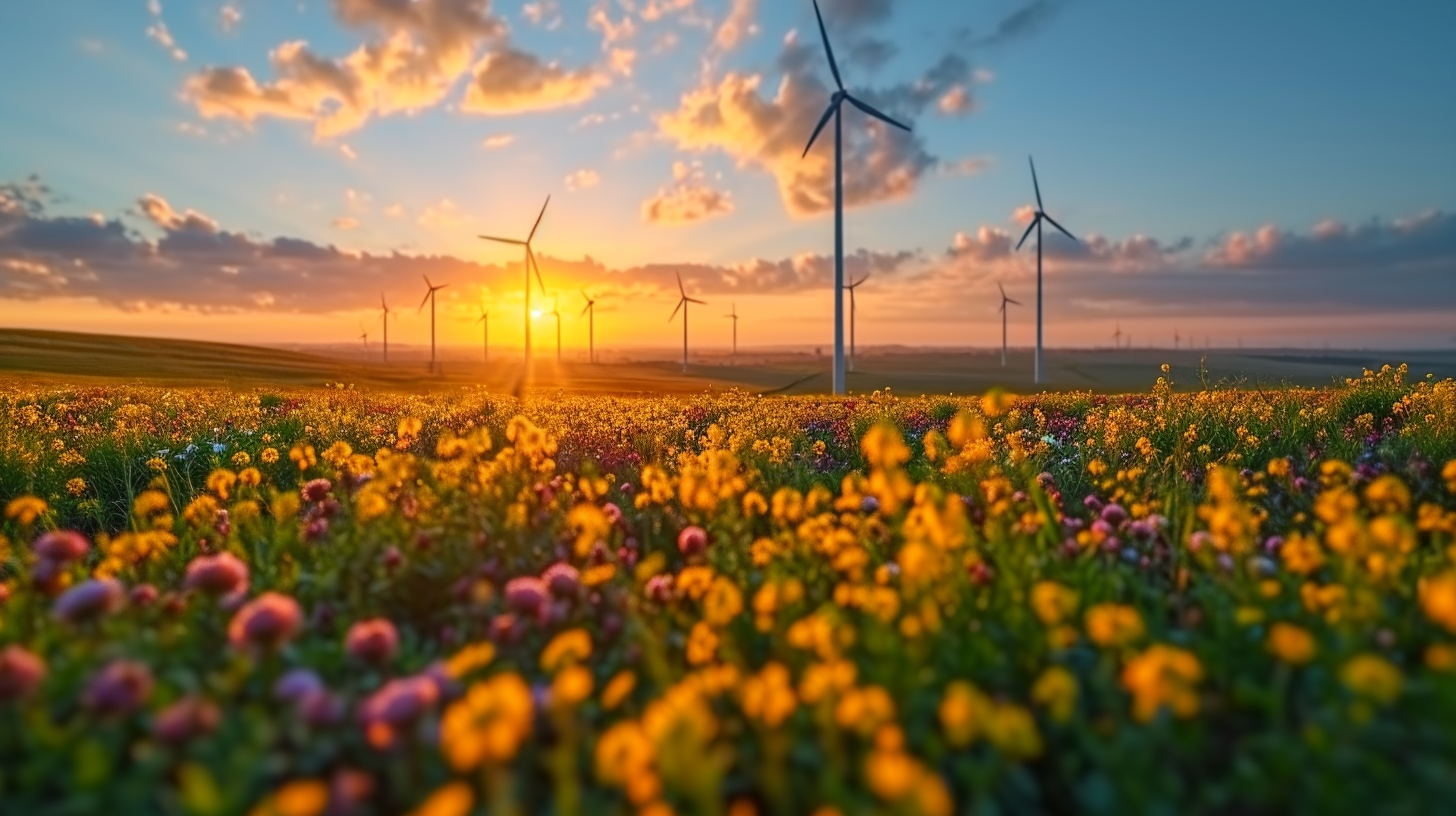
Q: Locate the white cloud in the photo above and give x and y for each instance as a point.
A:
(582, 180)
(497, 141)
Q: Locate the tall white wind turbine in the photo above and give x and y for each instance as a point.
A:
(682, 305)
(430, 299)
(530, 265)
(1005, 301)
(1036, 225)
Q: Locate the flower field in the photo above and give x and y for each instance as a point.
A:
(333, 601)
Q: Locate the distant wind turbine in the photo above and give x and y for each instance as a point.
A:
(556, 313)
(530, 264)
(484, 322)
(590, 312)
(836, 101)
(1036, 225)
(1177, 340)
(851, 288)
(682, 305)
(384, 318)
(734, 316)
(1004, 301)
(430, 299)
(1117, 337)
(364, 335)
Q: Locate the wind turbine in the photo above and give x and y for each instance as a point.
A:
(1117, 337)
(556, 313)
(682, 305)
(530, 264)
(1176, 339)
(851, 288)
(1004, 301)
(591, 327)
(364, 335)
(384, 317)
(430, 298)
(484, 322)
(734, 316)
(836, 101)
(1036, 225)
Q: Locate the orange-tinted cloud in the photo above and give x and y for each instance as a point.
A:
(511, 81)
(687, 201)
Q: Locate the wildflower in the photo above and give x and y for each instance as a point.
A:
(526, 594)
(1438, 599)
(269, 456)
(488, 724)
(769, 695)
(1290, 643)
(618, 689)
(692, 541)
(24, 510)
(1056, 691)
(1114, 625)
(76, 486)
(1301, 554)
(219, 574)
(1388, 494)
(624, 752)
(891, 774)
(186, 720)
(452, 799)
(1052, 602)
(568, 648)
(269, 621)
(562, 579)
(1012, 730)
(119, 689)
(570, 686)
(395, 705)
(702, 644)
(1373, 677)
(220, 483)
(864, 709)
(373, 641)
(316, 490)
(1163, 676)
(301, 797)
(61, 546)
(297, 684)
(470, 659)
(21, 672)
(89, 600)
(962, 712)
(1449, 474)
(723, 602)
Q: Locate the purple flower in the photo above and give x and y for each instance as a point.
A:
(217, 574)
(269, 621)
(562, 579)
(119, 689)
(1114, 514)
(372, 641)
(526, 594)
(62, 546)
(186, 720)
(296, 684)
(89, 600)
(316, 490)
(399, 702)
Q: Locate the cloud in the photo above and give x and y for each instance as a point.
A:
(229, 16)
(159, 33)
(546, 13)
(582, 180)
(658, 9)
(419, 50)
(348, 152)
(346, 223)
(497, 141)
(443, 217)
(871, 53)
(969, 166)
(511, 81)
(688, 201)
(956, 101)
(159, 212)
(1024, 21)
(735, 117)
(737, 26)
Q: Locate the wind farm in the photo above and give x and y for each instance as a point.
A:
(1179, 536)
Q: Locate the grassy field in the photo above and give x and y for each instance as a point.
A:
(72, 357)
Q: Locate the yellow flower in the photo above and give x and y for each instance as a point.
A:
(488, 724)
(304, 797)
(241, 459)
(1388, 494)
(1163, 676)
(76, 486)
(618, 688)
(454, 799)
(625, 751)
(1052, 602)
(1114, 625)
(1302, 554)
(470, 659)
(769, 695)
(891, 774)
(1290, 643)
(997, 402)
(723, 603)
(269, 456)
(883, 448)
(963, 710)
(1441, 657)
(702, 644)
(1373, 677)
(865, 709)
(1056, 691)
(571, 685)
(1449, 474)
(569, 647)
(1012, 730)
(220, 483)
(25, 509)
(823, 680)
(1438, 599)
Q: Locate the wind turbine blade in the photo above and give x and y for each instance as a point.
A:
(538, 220)
(1002, 288)
(823, 120)
(441, 286)
(423, 302)
(867, 108)
(584, 310)
(427, 281)
(501, 240)
(695, 300)
(1014, 302)
(680, 288)
(1027, 234)
(1054, 223)
(382, 304)
(1034, 185)
(586, 296)
(675, 311)
(833, 66)
(536, 266)
(856, 284)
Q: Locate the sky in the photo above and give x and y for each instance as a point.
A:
(1242, 171)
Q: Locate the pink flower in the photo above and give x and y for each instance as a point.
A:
(562, 579)
(119, 689)
(526, 594)
(659, 588)
(143, 595)
(20, 673)
(349, 792)
(372, 641)
(89, 600)
(692, 540)
(268, 621)
(218, 574)
(62, 546)
(186, 720)
(399, 702)
(316, 490)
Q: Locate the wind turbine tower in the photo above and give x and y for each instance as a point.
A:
(836, 101)
(530, 265)
(590, 312)
(734, 317)
(851, 288)
(484, 322)
(1036, 225)
(384, 318)
(1004, 301)
(682, 305)
(430, 299)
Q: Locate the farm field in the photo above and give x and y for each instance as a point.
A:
(306, 600)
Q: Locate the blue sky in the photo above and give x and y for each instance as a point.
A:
(1168, 120)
